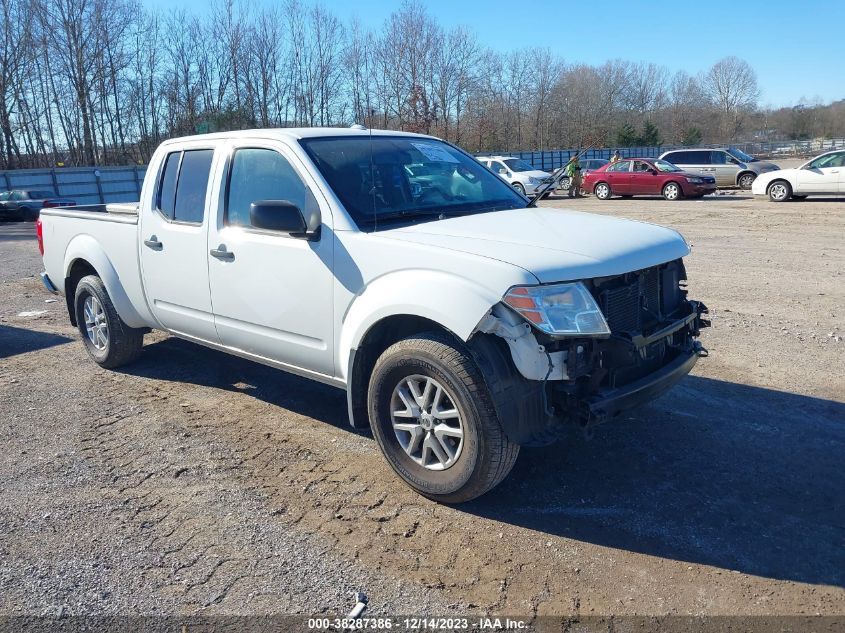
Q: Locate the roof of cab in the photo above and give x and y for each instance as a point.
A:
(292, 133)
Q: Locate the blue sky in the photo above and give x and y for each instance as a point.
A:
(793, 45)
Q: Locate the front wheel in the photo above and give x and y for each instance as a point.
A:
(779, 191)
(602, 191)
(433, 419)
(108, 340)
(672, 191)
(746, 180)
(518, 186)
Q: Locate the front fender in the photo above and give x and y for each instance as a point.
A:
(85, 247)
(452, 301)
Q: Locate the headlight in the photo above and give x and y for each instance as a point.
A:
(557, 309)
(533, 181)
(695, 180)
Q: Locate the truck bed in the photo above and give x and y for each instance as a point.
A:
(105, 236)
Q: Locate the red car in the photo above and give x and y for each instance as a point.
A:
(646, 177)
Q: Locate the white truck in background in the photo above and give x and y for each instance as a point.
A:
(462, 322)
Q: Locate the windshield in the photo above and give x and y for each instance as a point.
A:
(745, 158)
(665, 165)
(515, 164)
(388, 178)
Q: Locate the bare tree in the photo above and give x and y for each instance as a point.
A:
(731, 84)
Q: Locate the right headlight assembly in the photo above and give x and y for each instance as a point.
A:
(566, 309)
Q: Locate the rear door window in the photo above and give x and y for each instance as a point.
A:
(192, 186)
(622, 165)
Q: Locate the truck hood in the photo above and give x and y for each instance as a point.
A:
(552, 244)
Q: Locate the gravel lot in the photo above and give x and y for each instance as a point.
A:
(193, 482)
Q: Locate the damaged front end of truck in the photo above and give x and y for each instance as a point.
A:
(586, 351)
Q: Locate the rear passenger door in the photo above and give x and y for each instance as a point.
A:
(174, 255)
(618, 177)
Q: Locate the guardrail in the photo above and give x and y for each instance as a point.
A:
(84, 185)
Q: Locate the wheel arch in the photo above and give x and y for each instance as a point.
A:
(395, 306)
(85, 255)
(746, 172)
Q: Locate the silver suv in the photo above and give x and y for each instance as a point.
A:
(730, 166)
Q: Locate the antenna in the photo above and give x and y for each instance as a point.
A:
(372, 181)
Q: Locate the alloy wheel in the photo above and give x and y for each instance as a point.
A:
(95, 323)
(778, 191)
(426, 422)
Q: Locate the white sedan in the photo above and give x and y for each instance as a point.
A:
(823, 175)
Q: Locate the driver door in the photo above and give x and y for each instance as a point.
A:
(271, 292)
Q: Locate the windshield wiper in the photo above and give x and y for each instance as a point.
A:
(407, 214)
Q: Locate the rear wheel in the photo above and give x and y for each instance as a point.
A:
(672, 191)
(602, 191)
(779, 191)
(108, 340)
(433, 417)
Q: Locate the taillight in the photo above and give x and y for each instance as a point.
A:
(39, 231)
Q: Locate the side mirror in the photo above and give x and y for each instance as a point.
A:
(503, 171)
(653, 172)
(278, 215)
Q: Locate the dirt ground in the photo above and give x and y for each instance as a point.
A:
(193, 482)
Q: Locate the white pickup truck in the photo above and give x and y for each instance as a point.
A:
(462, 322)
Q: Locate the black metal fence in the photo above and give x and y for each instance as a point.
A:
(83, 185)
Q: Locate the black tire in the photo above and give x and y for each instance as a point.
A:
(745, 180)
(602, 191)
(672, 191)
(798, 198)
(123, 343)
(485, 456)
(779, 191)
(518, 186)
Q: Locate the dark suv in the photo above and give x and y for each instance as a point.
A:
(25, 204)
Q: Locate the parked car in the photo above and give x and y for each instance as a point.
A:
(25, 204)
(587, 165)
(460, 329)
(646, 177)
(730, 166)
(519, 174)
(823, 175)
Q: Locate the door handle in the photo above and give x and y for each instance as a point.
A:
(153, 243)
(221, 253)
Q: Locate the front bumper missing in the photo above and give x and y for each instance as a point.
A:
(608, 403)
